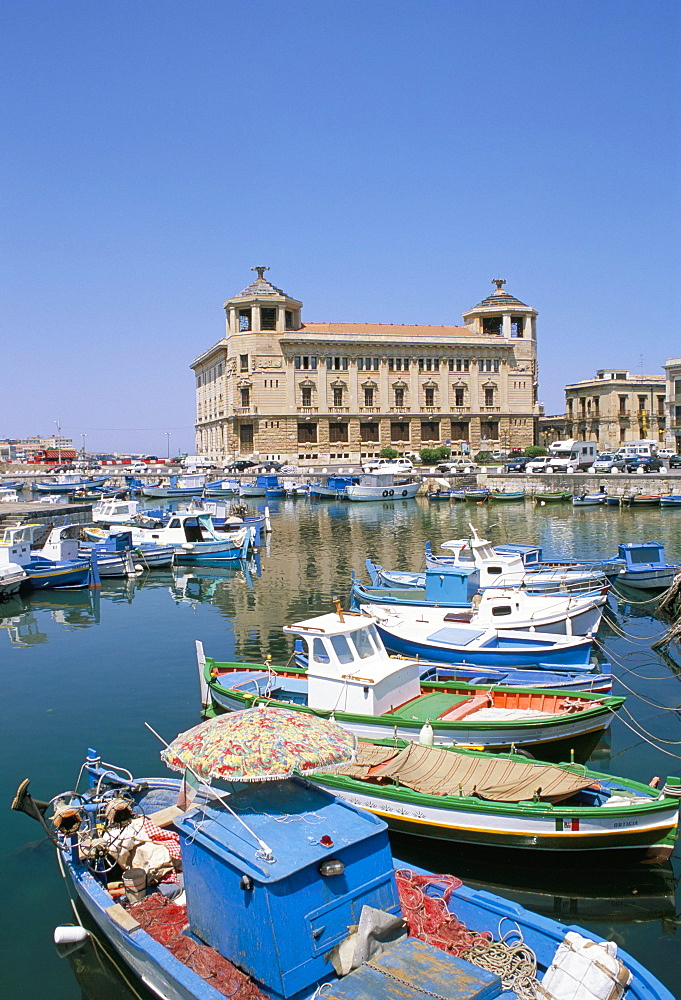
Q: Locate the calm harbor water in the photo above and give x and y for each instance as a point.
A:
(80, 669)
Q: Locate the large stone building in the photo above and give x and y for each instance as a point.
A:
(615, 407)
(672, 371)
(275, 387)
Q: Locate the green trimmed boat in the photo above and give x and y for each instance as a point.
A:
(552, 496)
(505, 800)
(506, 496)
(350, 677)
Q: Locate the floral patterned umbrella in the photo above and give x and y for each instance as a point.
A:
(261, 744)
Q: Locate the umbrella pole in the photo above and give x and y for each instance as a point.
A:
(267, 851)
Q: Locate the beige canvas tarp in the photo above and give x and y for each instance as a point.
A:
(436, 771)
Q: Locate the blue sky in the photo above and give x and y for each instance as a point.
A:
(385, 159)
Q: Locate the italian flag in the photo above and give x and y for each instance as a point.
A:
(566, 825)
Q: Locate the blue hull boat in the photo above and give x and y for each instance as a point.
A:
(45, 573)
(69, 484)
(331, 909)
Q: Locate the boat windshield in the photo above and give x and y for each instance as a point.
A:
(341, 648)
(362, 643)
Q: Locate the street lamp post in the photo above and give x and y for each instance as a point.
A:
(168, 433)
(58, 425)
(82, 450)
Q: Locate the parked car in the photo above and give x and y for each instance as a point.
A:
(540, 464)
(517, 464)
(463, 465)
(649, 463)
(609, 463)
(240, 465)
(675, 462)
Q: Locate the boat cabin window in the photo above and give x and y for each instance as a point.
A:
(175, 523)
(644, 555)
(341, 648)
(502, 609)
(362, 643)
(319, 653)
(494, 570)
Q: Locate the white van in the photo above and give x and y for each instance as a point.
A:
(570, 456)
(631, 448)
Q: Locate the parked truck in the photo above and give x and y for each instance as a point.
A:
(572, 456)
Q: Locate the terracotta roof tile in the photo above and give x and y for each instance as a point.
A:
(387, 329)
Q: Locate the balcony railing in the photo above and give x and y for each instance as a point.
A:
(399, 409)
(339, 409)
(490, 409)
(240, 411)
(430, 409)
(308, 409)
(370, 409)
(459, 409)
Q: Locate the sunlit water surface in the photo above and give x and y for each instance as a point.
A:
(81, 669)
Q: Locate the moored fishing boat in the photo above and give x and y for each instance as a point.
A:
(298, 914)
(566, 614)
(643, 565)
(507, 496)
(68, 482)
(332, 487)
(672, 499)
(551, 496)
(349, 675)
(506, 800)
(586, 499)
(54, 564)
(194, 539)
(382, 486)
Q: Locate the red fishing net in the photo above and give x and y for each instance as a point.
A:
(428, 917)
(164, 921)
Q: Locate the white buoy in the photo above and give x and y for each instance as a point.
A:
(426, 734)
(69, 938)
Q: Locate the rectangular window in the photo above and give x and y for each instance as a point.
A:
(368, 432)
(368, 396)
(459, 431)
(268, 318)
(641, 402)
(623, 406)
(337, 364)
(306, 396)
(244, 320)
(458, 396)
(430, 396)
(489, 397)
(338, 433)
(399, 431)
(489, 429)
(307, 433)
(495, 366)
(337, 397)
(245, 397)
(399, 397)
(288, 319)
(246, 437)
(360, 364)
(430, 430)
(517, 326)
(243, 362)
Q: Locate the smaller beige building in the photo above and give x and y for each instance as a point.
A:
(616, 407)
(672, 371)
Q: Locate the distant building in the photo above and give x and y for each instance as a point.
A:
(672, 370)
(275, 387)
(615, 407)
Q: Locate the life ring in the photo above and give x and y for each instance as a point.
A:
(404, 493)
(386, 493)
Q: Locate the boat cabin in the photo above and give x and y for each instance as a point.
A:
(349, 669)
(286, 914)
(112, 511)
(637, 555)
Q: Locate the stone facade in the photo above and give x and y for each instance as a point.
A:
(277, 388)
(672, 370)
(616, 407)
